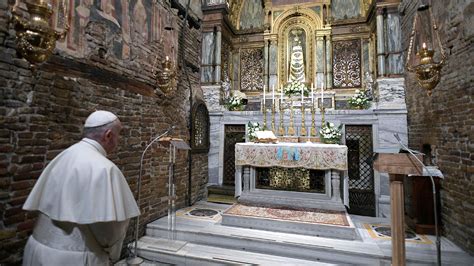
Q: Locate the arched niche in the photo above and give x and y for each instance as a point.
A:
(307, 21)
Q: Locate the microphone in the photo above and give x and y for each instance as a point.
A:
(136, 260)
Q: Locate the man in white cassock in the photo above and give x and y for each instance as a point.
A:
(83, 200)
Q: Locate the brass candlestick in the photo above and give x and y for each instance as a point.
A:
(323, 109)
(291, 129)
(264, 109)
(273, 116)
(313, 123)
(281, 129)
(303, 132)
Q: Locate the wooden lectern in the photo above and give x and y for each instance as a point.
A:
(397, 166)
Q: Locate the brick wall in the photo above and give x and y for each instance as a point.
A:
(444, 122)
(42, 112)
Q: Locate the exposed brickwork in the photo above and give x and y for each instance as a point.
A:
(445, 121)
(42, 112)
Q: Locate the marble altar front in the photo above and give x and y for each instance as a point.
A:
(329, 157)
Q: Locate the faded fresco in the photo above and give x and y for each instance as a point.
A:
(251, 15)
(121, 28)
(345, 9)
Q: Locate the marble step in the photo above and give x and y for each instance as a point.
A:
(161, 250)
(316, 249)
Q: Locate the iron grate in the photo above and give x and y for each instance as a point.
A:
(361, 175)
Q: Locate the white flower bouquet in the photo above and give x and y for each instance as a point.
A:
(359, 100)
(235, 103)
(252, 129)
(330, 133)
(294, 88)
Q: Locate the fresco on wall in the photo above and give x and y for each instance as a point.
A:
(345, 9)
(251, 15)
(121, 22)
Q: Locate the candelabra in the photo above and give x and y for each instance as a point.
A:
(303, 124)
(313, 123)
(273, 116)
(323, 109)
(291, 129)
(264, 109)
(281, 129)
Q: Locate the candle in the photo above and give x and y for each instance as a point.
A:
(263, 105)
(312, 94)
(423, 45)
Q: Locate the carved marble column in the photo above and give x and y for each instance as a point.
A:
(380, 43)
(335, 185)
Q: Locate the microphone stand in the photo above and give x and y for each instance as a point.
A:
(438, 241)
(135, 260)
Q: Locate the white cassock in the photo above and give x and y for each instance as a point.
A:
(85, 205)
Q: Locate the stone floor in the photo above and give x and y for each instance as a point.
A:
(201, 239)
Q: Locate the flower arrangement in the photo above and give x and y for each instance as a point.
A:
(294, 88)
(359, 100)
(330, 133)
(236, 102)
(252, 128)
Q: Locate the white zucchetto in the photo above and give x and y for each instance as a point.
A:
(99, 118)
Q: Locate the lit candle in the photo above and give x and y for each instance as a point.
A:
(423, 45)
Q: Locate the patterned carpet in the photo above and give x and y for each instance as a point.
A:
(303, 215)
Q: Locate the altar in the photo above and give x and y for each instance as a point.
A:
(330, 158)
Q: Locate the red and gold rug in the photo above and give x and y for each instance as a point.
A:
(303, 215)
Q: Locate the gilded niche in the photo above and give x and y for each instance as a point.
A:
(346, 64)
(251, 70)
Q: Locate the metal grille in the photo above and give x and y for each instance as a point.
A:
(233, 134)
(200, 137)
(346, 64)
(361, 174)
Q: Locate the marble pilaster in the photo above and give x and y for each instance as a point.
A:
(328, 62)
(380, 44)
(217, 62)
(266, 63)
(391, 93)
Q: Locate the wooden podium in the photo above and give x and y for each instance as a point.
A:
(397, 166)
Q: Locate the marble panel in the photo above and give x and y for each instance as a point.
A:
(273, 55)
(345, 9)
(395, 59)
(391, 93)
(212, 96)
(207, 58)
